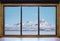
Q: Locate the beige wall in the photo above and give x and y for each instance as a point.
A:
(1, 20)
(58, 20)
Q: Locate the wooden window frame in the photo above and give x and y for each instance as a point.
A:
(38, 5)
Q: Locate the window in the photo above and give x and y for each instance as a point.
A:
(30, 20)
(47, 20)
(12, 20)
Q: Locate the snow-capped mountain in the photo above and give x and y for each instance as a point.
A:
(31, 25)
(46, 26)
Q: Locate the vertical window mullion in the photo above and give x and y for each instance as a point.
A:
(38, 22)
(21, 21)
(56, 20)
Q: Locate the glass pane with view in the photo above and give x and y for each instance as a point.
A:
(29, 20)
(12, 20)
(47, 20)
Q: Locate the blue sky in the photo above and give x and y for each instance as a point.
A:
(49, 14)
(12, 14)
(29, 14)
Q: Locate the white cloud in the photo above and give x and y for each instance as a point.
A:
(45, 24)
(7, 25)
(32, 24)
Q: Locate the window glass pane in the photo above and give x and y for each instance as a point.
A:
(12, 20)
(29, 20)
(47, 20)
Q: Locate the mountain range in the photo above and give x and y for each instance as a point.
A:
(31, 25)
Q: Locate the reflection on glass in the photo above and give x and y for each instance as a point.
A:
(47, 21)
(12, 20)
(29, 20)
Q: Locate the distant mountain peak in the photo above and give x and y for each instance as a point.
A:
(43, 23)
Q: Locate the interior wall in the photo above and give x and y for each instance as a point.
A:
(58, 20)
(1, 19)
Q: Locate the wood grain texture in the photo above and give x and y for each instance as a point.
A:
(1, 20)
(58, 20)
(28, 4)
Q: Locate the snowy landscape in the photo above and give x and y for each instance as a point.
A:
(31, 27)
